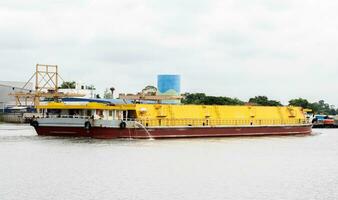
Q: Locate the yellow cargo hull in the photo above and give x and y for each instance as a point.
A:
(193, 115)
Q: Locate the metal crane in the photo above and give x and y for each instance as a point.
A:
(46, 86)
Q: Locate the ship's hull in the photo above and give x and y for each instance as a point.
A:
(172, 132)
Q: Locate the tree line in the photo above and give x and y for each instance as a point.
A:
(320, 107)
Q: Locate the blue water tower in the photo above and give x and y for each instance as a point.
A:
(169, 85)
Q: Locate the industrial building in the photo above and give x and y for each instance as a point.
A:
(8, 87)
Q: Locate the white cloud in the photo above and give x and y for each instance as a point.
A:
(282, 49)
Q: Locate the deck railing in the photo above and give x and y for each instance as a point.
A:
(220, 122)
(200, 122)
(66, 116)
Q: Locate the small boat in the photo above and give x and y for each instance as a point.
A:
(323, 121)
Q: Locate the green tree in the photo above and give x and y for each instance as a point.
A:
(68, 85)
(264, 101)
(321, 107)
(300, 102)
(195, 98)
(202, 99)
(333, 110)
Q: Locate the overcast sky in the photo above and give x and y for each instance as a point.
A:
(238, 48)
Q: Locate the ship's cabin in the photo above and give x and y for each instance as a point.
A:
(98, 113)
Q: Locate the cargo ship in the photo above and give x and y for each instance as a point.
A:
(104, 120)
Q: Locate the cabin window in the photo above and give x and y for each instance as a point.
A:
(99, 113)
(132, 114)
(89, 113)
(110, 113)
(125, 115)
(74, 112)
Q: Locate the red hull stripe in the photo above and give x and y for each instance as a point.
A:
(109, 133)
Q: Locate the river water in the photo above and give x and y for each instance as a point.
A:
(262, 168)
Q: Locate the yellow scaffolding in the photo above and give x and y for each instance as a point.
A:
(46, 86)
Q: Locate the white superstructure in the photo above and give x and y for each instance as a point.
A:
(88, 91)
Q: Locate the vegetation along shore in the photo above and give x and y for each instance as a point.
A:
(320, 107)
